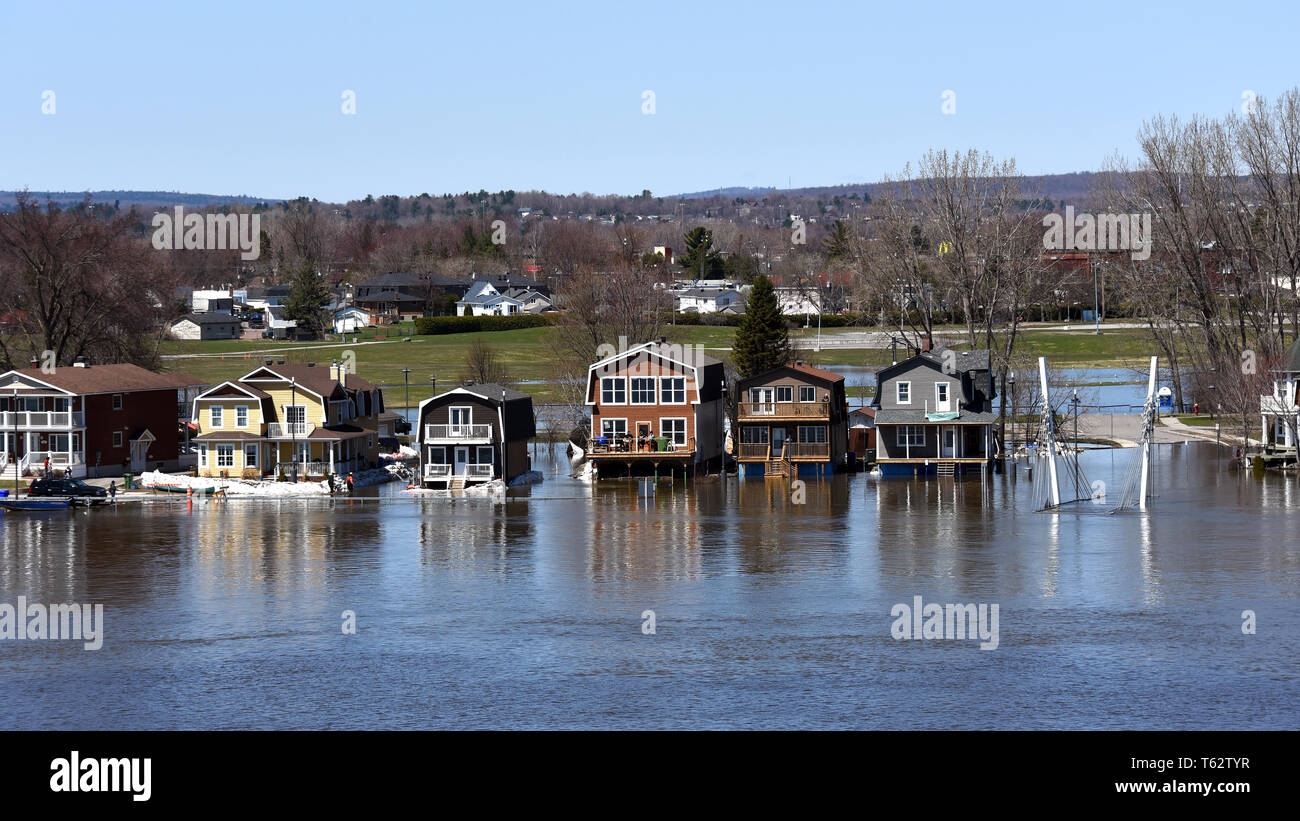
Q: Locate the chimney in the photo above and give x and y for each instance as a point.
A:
(925, 345)
(35, 363)
(270, 362)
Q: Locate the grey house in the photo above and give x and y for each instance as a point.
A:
(474, 433)
(934, 414)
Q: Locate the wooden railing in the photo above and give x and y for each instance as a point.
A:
(785, 410)
(753, 450)
(807, 450)
(604, 445)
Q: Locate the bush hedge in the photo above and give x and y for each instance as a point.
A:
(432, 325)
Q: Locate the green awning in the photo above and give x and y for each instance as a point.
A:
(942, 417)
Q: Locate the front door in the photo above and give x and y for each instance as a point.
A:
(462, 460)
(778, 442)
(138, 451)
(948, 439)
(643, 434)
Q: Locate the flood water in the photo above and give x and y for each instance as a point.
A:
(528, 612)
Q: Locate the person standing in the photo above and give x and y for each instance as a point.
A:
(112, 491)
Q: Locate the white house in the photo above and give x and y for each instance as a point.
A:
(795, 300)
(531, 302)
(483, 299)
(710, 300)
(211, 301)
(1279, 412)
(350, 319)
(206, 326)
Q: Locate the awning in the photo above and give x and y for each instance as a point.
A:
(942, 417)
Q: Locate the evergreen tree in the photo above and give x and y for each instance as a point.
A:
(838, 245)
(700, 260)
(307, 299)
(762, 339)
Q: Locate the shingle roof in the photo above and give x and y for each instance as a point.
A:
(908, 416)
(209, 319)
(111, 379)
(490, 391)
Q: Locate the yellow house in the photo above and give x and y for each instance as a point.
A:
(300, 421)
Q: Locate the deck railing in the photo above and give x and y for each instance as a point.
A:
(457, 432)
(753, 450)
(785, 410)
(288, 430)
(807, 450)
(612, 445)
(483, 471)
(42, 419)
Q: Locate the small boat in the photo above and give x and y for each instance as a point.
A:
(36, 503)
(198, 491)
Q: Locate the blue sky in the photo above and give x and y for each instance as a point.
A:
(245, 98)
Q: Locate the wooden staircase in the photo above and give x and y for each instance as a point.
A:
(457, 483)
(945, 469)
(780, 467)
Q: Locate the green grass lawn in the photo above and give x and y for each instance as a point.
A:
(1204, 421)
(528, 357)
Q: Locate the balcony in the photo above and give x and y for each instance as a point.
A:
(794, 451)
(27, 420)
(625, 446)
(458, 433)
(289, 430)
(784, 410)
(1277, 406)
(470, 473)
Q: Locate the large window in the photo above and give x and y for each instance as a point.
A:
(643, 391)
(812, 433)
(215, 415)
(807, 393)
(485, 453)
(904, 393)
(613, 390)
(785, 393)
(225, 456)
(674, 430)
(672, 390)
(911, 436)
(437, 456)
(613, 427)
(753, 435)
(295, 414)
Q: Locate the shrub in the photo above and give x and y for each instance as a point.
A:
(435, 325)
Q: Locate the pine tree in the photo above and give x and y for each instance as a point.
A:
(307, 299)
(700, 260)
(762, 338)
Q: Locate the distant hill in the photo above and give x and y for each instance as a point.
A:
(1072, 187)
(736, 191)
(126, 199)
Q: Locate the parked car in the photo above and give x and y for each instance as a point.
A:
(77, 489)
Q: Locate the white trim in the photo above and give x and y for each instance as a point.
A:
(900, 383)
(279, 378)
(654, 390)
(232, 384)
(600, 396)
(18, 376)
(686, 428)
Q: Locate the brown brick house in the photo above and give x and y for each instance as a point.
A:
(656, 407)
(91, 420)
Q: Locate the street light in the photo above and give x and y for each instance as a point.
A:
(1012, 379)
(406, 377)
(1096, 315)
(1075, 400)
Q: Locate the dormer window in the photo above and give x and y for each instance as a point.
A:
(904, 393)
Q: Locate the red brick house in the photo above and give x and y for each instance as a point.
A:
(656, 407)
(91, 420)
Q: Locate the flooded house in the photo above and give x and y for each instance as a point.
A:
(934, 414)
(656, 408)
(792, 420)
(473, 434)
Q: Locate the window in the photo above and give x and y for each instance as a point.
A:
(214, 414)
(904, 393)
(295, 414)
(117, 401)
(485, 453)
(807, 393)
(674, 430)
(250, 456)
(203, 454)
(911, 436)
(672, 390)
(437, 456)
(59, 442)
(62, 405)
(812, 433)
(753, 435)
(241, 416)
(225, 456)
(785, 393)
(643, 391)
(117, 438)
(941, 393)
(613, 427)
(613, 390)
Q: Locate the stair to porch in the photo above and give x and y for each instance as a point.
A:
(457, 483)
(780, 467)
(945, 469)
